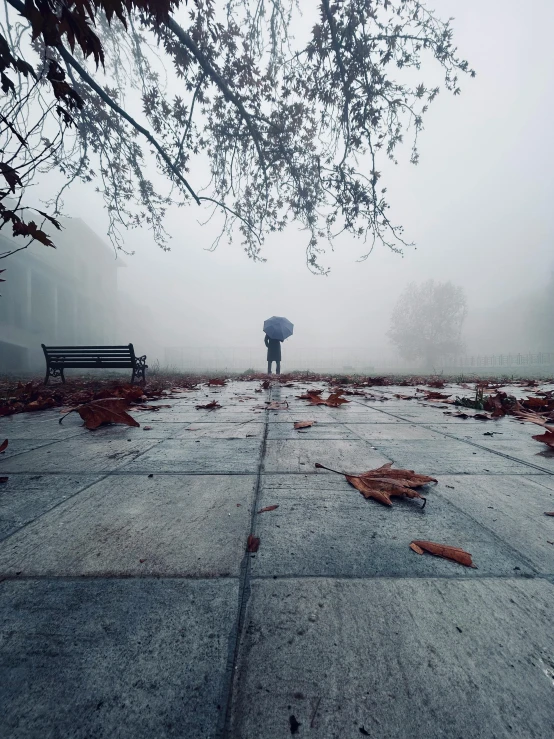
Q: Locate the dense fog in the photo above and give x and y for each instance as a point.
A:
(478, 207)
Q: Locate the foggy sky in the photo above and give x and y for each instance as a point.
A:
(478, 207)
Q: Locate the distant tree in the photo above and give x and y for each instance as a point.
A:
(115, 92)
(427, 321)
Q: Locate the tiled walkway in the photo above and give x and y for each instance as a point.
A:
(129, 608)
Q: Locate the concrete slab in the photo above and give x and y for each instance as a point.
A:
(397, 658)
(393, 431)
(83, 454)
(138, 525)
(512, 507)
(317, 431)
(27, 497)
(19, 446)
(250, 427)
(133, 659)
(300, 455)
(447, 456)
(199, 456)
(325, 528)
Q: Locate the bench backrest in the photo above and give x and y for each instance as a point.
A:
(83, 357)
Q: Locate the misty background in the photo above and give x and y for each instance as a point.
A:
(478, 207)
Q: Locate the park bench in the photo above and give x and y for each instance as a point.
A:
(59, 358)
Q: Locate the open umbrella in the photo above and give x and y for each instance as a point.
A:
(278, 327)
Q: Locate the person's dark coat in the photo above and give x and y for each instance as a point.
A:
(273, 349)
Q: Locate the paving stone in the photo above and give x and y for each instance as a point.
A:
(200, 456)
(447, 456)
(317, 431)
(139, 525)
(393, 431)
(132, 659)
(300, 455)
(324, 527)
(513, 508)
(26, 497)
(247, 428)
(397, 657)
(84, 454)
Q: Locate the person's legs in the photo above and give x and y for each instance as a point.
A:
(269, 368)
(278, 367)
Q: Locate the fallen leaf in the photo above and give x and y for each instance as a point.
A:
(549, 513)
(3, 480)
(217, 381)
(268, 508)
(252, 544)
(4, 446)
(546, 438)
(443, 550)
(107, 410)
(383, 483)
(213, 406)
(275, 405)
(482, 417)
(147, 428)
(303, 424)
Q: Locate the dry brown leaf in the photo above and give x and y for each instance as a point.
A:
(444, 550)
(549, 513)
(252, 544)
(383, 483)
(546, 438)
(268, 508)
(303, 424)
(217, 381)
(213, 406)
(276, 405)
(3, 446)
(106, 410)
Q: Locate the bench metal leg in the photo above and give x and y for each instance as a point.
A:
(54, 372)
(139, 370)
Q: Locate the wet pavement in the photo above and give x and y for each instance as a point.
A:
(130, 608)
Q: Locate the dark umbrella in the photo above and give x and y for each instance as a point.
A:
(278, 327)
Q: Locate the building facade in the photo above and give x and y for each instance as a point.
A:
(66, 295)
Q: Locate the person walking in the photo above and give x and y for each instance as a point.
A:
(273, 354)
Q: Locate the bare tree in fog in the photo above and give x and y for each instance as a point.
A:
(427, 321)
(292, 129)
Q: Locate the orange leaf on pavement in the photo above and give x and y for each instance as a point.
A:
(383, 483)
(443, 550)
(303, 424)
(107, 410)
(268, 508)
(4, 445)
